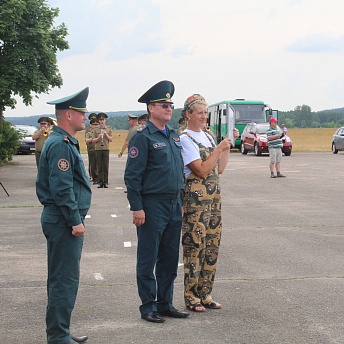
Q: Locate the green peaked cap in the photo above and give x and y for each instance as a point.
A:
(76, 101)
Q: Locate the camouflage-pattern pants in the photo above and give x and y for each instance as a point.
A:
(201, 234)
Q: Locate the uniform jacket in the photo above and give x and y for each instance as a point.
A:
(62, 183)
(154, 165)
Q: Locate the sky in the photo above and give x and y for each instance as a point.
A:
(283, 52)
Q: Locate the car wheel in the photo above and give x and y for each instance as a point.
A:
(243, 149)
(256, 150)
(334, 149)
(287, 153)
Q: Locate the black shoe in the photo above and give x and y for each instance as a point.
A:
(100, 186)
(79, 339)
(153, 317)
(174, 313)
(105, 186)
(71, 342)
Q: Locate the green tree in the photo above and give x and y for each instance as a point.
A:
(28, 46)
(303, 116)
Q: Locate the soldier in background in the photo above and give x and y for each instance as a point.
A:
(134, 125)
(40, 136)
(87, 130)
(91, 150)
(102, 136)
(143, 118)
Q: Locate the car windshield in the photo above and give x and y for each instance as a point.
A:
(26, 131)
(262, 129)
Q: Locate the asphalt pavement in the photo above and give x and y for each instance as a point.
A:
(280, 275)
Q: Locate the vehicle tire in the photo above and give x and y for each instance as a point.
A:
(334, 149)
(287, 153)
(256, 150)
(243, 149)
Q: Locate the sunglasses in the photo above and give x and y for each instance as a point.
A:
(166, 106)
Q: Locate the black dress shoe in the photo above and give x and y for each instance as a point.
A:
(174, 313)
(105, 186)
(100, 186)
(153, 317)
(79, 339)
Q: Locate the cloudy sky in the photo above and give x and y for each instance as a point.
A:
(284, 52)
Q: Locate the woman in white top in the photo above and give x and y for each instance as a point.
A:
(202, 225)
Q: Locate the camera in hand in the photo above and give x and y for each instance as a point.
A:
(282, 135)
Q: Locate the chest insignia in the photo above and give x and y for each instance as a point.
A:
(133, 152)
(63, 165)
(159, 145)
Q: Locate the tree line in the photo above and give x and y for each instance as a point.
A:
(304, 117)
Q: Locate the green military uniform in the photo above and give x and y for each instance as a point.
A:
(39, 143)
(131, 131)
(154, 180)
(102, 152)
(64, 190)
(91, 149)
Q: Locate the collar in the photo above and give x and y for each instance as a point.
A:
(65, 134)
(153, 129)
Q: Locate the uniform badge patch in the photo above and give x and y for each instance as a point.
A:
(141, 128)
(134, 152)
(177, 142)
(159, 145)
(63, 165)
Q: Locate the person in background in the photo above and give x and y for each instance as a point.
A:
(102, 136)
(202, 222)
(274, 136)
(134, 124)
(91, 150)
(284, 129)
(40, 136)
(143, 118)
(63, 188)
(154, 180)
(182, 123)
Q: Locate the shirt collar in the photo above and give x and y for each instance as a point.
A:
(63, 132)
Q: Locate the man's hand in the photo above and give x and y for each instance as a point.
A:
(139, 217)
(78, 230)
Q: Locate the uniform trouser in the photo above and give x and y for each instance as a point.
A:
(103, 166)
(201, 237)
(92, 165)
(158, 247)
(64, 253)
(38, 156)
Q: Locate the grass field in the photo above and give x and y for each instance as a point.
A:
(304, 140)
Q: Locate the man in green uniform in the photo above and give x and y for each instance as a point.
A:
(143, 118)
(154, 180)
(91, 151)
(102, 136)
(40, 136)
(90, 147)
(64, 190)
(134, 124)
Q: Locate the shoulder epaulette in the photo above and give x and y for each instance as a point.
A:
(65, 138)
(141, 128)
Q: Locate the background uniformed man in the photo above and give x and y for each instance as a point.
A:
(63, 188)
(143, 118)
(102, 135)
(40, 136)
(154, 180)
(134, 124)
(91, 150)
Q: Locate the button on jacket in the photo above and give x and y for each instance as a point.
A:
(62, 181)
(154, 166)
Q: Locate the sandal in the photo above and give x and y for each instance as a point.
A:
(213, 305)
(197, 307)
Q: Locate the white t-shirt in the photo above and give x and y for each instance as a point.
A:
(191, 149)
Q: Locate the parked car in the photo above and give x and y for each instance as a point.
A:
(254, 139)
(27, 144)
(338, 140)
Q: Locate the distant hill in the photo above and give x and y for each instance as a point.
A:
(339, 110)
(32, 120)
